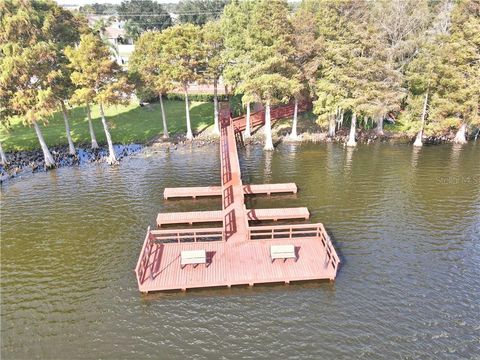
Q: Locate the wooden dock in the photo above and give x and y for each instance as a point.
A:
(236, 253)
(205, 191)
(193, 217)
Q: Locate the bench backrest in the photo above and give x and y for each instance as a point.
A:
(193, 255)
(281, 250)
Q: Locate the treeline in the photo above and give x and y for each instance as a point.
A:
(143, 15)
(50, 58)
(361, 62)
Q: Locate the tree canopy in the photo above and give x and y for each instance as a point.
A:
(199, 12)
(144, 15)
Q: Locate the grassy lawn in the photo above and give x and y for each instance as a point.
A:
(128, 124)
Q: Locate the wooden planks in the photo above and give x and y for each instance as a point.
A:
(278, 214)
(270, 188)
(252, 189)
(236, 263)
(237, 253)
(189, 217)
(192, 192)
(192, 217)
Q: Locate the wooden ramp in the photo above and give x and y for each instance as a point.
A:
(194, 192)
(193, 217)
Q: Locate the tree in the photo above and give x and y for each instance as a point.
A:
(272, 78)
(199, 12)
(28, 72)
(234, 27)
(98, 78)
(307, 46)
(356, 73)
(213, 42)
(146, 63)
(183, 56)
(63, 89)
(443, 78)
(32, 36)
(144, 15)
(3, 158)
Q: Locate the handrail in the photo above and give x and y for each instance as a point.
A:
(140, 270)
(180, 235)
(276, 112)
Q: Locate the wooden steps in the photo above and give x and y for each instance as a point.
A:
(193, 217)
(204, 191)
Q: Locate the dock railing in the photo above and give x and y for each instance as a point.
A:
(166, 236)
(142, 263)
(276, 113)
(304, 231)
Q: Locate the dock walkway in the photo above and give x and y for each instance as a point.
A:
(237, 252)
(204, 191)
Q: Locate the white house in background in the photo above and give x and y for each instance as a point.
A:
(115, 34)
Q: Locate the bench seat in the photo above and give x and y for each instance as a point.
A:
(282, 252)
(193, 257)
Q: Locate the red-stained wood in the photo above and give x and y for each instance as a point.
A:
(192, 217)
(237, 253)
(239, 263)
(205, 191)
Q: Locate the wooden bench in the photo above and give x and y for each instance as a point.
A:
(193, 257)
(282, 252)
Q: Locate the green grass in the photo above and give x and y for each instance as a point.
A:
(128, 124)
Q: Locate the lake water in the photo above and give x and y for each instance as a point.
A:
(405, 223)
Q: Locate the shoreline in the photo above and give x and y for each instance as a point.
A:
(31, 161)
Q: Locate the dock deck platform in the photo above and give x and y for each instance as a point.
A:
(204, 191)
(238, 263)
(236, 253)
(192, 217)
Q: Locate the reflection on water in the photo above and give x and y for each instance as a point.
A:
(404, 221)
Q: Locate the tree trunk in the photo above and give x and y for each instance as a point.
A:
(111, 151)
(418, 141)
(187, 113)
(293, 134)
(332, 123)
(164, 119)
(340, 122)
(351, 138)
(380, 125)
(49, 162)
(215, 106)
(71, 147)
(3, 158)
(460, 137)
(90, 127)
(268, 129)
(247, 123)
